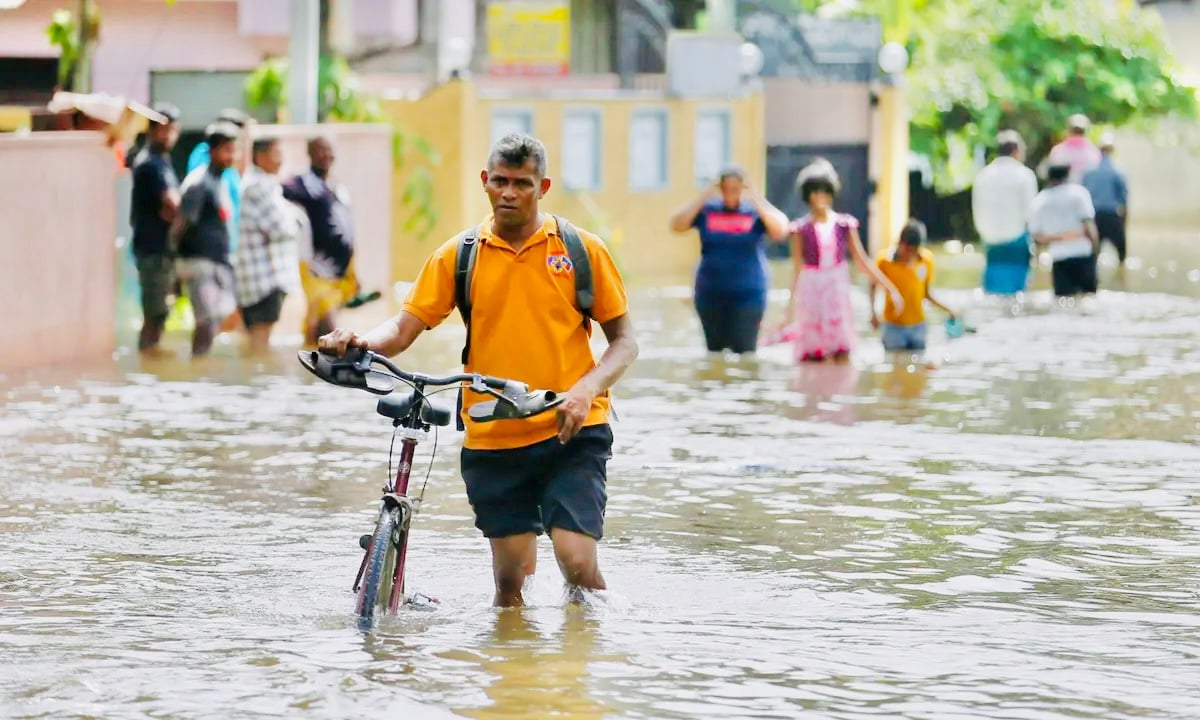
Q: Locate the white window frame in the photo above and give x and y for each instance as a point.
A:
(663, 179)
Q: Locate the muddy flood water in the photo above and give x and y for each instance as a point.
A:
(1013, 534)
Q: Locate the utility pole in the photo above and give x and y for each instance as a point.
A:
(722, 16)
(81, 75)
(304, 43)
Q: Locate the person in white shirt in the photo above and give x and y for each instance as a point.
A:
(1000, 203)
(1064, 222)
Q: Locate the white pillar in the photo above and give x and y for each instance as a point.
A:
(303, 54)
(722, 16)
(456, 36)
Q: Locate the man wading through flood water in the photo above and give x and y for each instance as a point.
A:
(547, 472)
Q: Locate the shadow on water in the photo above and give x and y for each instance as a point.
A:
(1012, 532)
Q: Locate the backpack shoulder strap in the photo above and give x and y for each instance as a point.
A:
(464, 268)
(581, 263)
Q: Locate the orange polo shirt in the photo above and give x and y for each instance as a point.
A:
(525, 325)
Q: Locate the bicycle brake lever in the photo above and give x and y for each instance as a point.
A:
(360, 359)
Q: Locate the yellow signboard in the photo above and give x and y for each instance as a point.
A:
(529, 37)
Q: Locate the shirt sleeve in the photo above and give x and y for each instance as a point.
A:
(198, 157)
(432, 295)
(294, 191)
(1087, 211)
(698, 221)
(1031, 189)
(1035, 220)
(608, 288)
(270, 213)
(191, 206)
(154, 178)
(1122, 188)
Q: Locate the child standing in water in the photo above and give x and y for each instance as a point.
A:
(910, 268)
(822, 241)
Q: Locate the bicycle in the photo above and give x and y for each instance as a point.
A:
(380, 579)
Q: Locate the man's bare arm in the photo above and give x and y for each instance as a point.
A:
(389, 338)
(621, 352)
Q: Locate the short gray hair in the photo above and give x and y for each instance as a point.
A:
(516, 149)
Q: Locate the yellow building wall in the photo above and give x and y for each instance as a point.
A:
(456, 121)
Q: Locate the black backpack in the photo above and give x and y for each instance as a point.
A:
(465, 268)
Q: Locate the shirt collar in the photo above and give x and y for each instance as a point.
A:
(549, 228)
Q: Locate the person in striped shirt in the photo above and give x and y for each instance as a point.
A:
(266, 266)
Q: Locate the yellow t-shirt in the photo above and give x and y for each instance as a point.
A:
(912, 279)
(525, 325)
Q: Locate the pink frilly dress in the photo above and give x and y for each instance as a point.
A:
(824, 317)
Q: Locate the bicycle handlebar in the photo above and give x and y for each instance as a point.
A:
(513, 400)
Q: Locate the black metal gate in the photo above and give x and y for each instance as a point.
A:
(851, 161)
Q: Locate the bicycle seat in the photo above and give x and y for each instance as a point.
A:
(398, 407)
(395, 406)
(437, 414)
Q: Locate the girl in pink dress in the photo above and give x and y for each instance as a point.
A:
(820, 314)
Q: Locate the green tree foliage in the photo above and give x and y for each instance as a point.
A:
(74, 41)
(63, 33)
(980, 66)
(342, 99)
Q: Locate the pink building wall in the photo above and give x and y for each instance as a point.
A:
(364, 164)
(57, 268)
(140, 36)
(59, 228)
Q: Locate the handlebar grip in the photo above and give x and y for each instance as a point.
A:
(353, 371)
(519, 408)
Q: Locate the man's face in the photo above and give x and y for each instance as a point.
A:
(731, 190)
(164, 136)
(223, 154)
(321, 155)
(270, 160)
(514, 192)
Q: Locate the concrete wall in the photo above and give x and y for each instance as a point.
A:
(58, 265)
(364, 164)
(456, 119)
(57, 270)
(1162, 164)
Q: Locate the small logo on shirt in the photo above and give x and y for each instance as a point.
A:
(922, 272)
(560, 264)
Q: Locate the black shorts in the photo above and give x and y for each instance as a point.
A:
(1111, 227)
(541, 486)
(1074, 275)
(265, 311)
(729, 325)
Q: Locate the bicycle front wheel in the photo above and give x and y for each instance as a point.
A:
(375, 587)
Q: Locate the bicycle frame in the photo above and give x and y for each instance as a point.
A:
(413, 417)
(395, 495)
